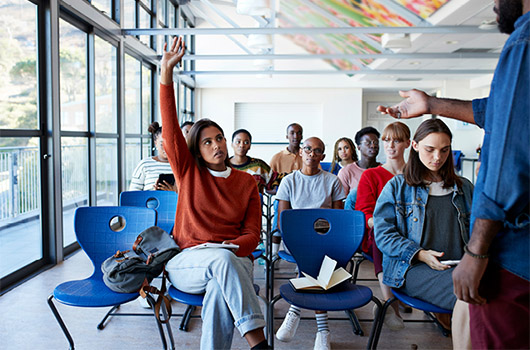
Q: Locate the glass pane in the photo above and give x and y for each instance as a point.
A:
(188, 101)
(103, 6)
(18, 66)
(145, 23)
(106, 86)
(74, 153)
(20, 216)
(146, 99)
(73, 77)
(162, 9)
(132, 95)
(132, 157)
(129, 14)
(171, 16)
(146, 148)
(106, 172)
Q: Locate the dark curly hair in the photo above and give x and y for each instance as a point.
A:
(155, 129)
(364, 131)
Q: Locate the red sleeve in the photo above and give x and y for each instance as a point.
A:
(366, 195)
(251, 225)
(175, 145)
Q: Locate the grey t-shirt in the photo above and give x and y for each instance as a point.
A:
(309, 192)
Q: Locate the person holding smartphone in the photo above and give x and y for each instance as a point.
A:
(154, 173)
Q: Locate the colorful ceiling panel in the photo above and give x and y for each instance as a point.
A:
(355, 13)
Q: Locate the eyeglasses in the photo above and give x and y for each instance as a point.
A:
(309, 149)
(369, 143)
(395, 142)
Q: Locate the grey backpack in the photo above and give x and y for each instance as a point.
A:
(133, 270)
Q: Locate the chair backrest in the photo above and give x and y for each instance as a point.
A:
(457, 159)
(92, 227)
(308, 247)
(325, 166)
(164, 202)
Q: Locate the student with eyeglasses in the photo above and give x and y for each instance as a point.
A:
(309, 188)
(367, 140)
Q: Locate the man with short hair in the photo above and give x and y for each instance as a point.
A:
(367, 140)
(289, 160)
(310, 187)
(493, 275)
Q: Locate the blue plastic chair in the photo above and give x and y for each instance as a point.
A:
(457, 160)
(415, 303)
(99, 241)
(164, 202)
(326, 166)
(308, 247)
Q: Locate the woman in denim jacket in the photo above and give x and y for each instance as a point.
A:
(421, 219)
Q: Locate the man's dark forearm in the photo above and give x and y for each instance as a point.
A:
(451, 108)
(484, 231)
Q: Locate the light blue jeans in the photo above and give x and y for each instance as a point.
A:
(230, 299)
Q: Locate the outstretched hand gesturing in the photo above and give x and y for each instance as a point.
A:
(171, 58)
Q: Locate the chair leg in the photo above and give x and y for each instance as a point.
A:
(356, 265)
(270, 323)
(168, 326)
(376, 329)
(381, 318)
(61, 322)
(151, 302)
(101, 324)
(184, 323)
(445, 332)
(357, 330)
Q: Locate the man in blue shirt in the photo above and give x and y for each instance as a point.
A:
(493, 275)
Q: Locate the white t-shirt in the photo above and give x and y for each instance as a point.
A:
(309, 192)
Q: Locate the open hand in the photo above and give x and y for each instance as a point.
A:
(466, 279)
(171, 58)
(414, 105)
(430, 257)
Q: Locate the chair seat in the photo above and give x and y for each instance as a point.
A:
(257, 253)
(192, 299)
(185, 298)
(286, 256)
(347, 296)
(90, 292)
(419, 304)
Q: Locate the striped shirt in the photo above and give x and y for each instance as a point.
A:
(146, 173)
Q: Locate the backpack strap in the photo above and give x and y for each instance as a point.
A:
(162, 298)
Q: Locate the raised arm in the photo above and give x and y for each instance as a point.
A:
(417, 103)
(174, 143)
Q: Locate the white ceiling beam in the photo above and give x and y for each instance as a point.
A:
(397, 56)
(310, 31)
(199, 11)
(395, 72)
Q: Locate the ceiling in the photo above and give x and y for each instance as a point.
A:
(338, 43)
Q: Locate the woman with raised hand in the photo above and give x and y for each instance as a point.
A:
(343, 154)
(396, 139)
(421, 219)
(216, 204)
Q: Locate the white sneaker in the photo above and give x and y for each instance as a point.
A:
(323, 341)
(392, 321)
(288, 328)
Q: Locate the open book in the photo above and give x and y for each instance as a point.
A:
(215, 245)
(327, 278)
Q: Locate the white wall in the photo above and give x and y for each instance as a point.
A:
(341, 112)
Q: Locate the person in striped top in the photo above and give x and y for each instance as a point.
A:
(145, 175)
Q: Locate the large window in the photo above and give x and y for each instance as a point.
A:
(106, 114)
(20, 168)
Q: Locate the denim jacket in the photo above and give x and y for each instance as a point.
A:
(399, 219)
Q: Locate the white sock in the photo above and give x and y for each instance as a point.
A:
(275, 248)
(295, 309)
(322, 322)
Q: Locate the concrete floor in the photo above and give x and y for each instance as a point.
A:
(27, 322)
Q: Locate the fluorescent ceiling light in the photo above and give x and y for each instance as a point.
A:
(395, 41)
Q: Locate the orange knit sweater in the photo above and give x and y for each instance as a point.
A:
(209, 209)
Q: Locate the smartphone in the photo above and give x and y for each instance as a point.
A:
(450, 262)
(169, 178)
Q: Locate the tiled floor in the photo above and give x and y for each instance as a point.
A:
(27, 322)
